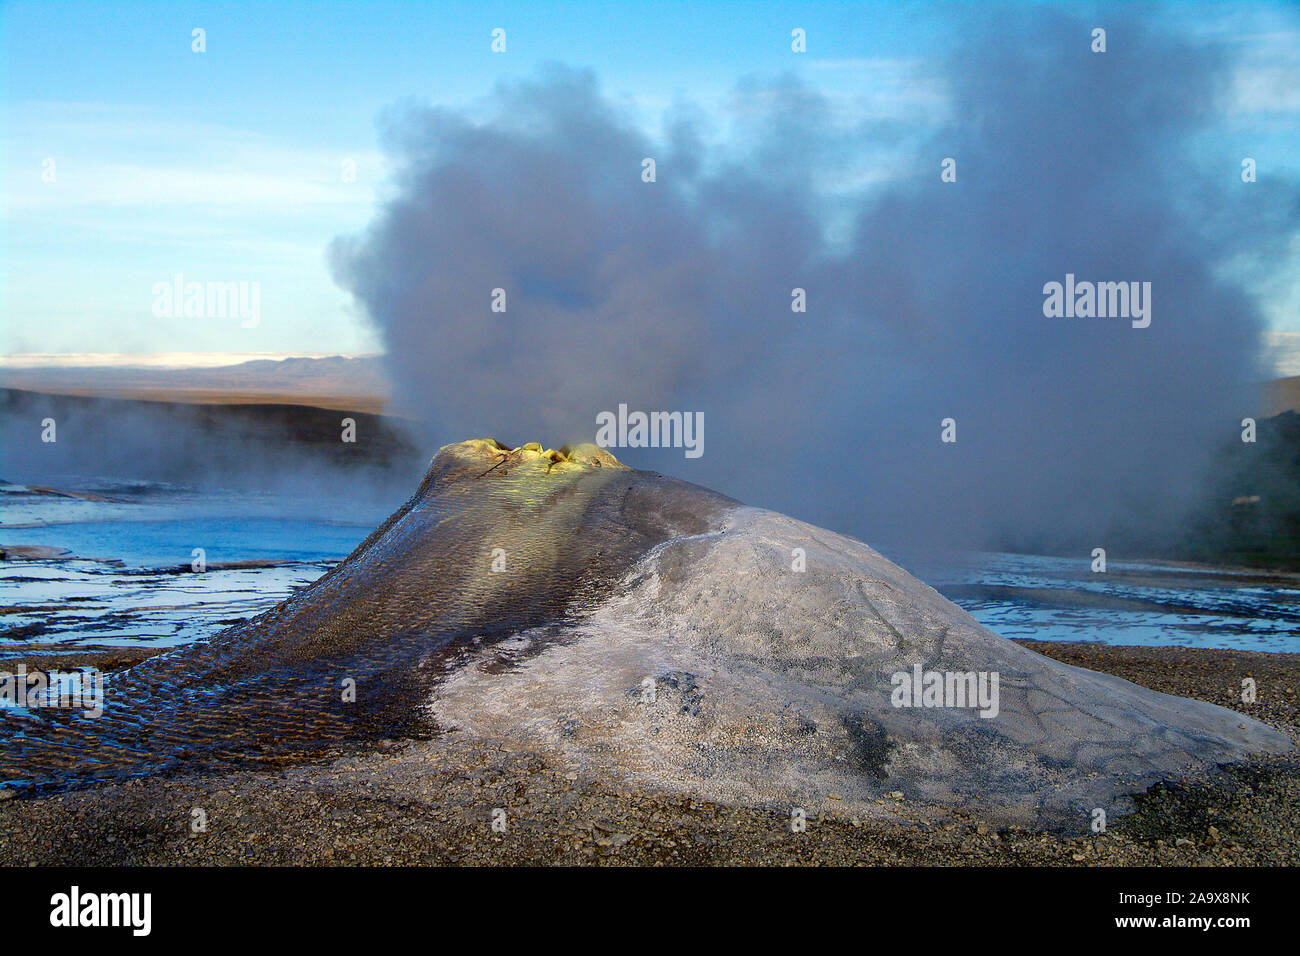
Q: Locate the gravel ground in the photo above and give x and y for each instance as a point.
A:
(432, 802)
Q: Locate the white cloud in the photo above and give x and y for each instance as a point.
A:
(123, 156)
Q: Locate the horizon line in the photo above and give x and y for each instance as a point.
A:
(159, 360)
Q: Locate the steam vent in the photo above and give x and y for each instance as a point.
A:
(656, 633)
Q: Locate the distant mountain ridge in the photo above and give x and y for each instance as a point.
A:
(332, 377)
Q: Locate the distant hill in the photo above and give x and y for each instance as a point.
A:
(1283, 395)
(1251, 515)
(339, 382)
(242, 444)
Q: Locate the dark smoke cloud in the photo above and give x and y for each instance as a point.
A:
(676, 294)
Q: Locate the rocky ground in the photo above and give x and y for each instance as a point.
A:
(432, 802)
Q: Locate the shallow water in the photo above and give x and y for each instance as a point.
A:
(128, 579)
(130, 576)
(1133, 602)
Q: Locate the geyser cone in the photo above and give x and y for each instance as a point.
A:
(779, 686)
(495, 542)
(658, 633)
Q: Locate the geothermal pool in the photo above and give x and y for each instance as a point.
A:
(115, 567)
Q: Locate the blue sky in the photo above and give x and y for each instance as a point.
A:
(226, 165)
